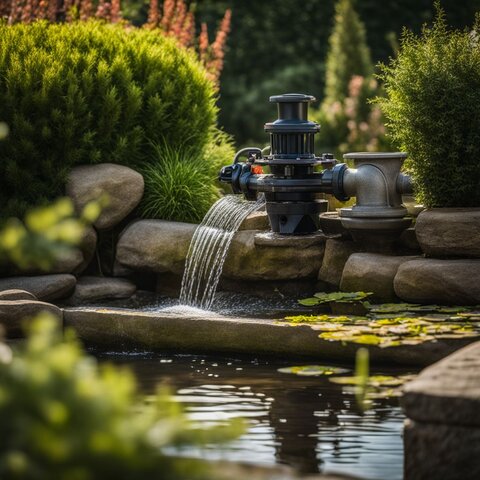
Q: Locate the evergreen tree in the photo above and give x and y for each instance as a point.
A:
(348, 53)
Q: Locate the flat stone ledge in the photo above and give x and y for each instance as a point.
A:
(14, 314)
(212, 333)
(44, 287)
(447, 392)
(272, 239)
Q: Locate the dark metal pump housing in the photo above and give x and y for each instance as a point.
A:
(291, 186)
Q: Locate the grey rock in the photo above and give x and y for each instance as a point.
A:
(449, 232)
(16, 295)
(209, 332)
(123, 186)
(161, 246)
(372, 272)
(447, 392)
(87, 247)
(44, 287)
(14, 314)
(431, 280)
(90, 289)
(336, 255)
(247, 260)
(445, 452)
(155, 246)
(256, 221)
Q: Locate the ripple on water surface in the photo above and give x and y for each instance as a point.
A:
(305, 422)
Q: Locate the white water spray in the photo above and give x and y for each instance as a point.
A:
(209, 247)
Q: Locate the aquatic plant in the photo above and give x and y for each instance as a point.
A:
(418, 324)
(338, 297)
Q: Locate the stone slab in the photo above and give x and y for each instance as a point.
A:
(441, 452)
(449, 232)
(44, 287)
(429, 280)
(91, 289)
(190, 331)
(16, 295)
(447, 392)
(14, 313)
(372, 272)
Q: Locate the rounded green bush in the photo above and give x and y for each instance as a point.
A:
(92, 92)
(433, 94)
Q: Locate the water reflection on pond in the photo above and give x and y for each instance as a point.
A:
(305, 422)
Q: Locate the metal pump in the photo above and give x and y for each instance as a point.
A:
(293, 182)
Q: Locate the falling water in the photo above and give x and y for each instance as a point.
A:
(209, 247)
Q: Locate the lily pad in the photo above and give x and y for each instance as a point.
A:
(313, 370)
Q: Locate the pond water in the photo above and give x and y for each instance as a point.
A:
(308, 423)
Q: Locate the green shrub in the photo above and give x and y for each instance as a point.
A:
(91, 92)
(66, 418)
(433, 93)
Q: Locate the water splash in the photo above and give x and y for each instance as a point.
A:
(209, 247)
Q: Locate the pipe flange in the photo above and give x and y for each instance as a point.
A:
(338, 173)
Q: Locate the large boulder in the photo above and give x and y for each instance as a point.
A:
(91, 289)
(372, 272)
(253, 256)
(14, 314)
(44, 287)
(122, 185)
(449, 232)
(428, 280)
(337, 252)
(16, 295)
(155, 246)
(161, 246)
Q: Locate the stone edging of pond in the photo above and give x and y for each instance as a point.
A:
(106, 328)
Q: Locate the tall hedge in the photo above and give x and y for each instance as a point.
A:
(432, 108)
(90, 92)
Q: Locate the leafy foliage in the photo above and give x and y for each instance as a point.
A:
(65, 417)
(89, 92)
(46, 234)
(178, 185)
(313, 370)
(433, 89)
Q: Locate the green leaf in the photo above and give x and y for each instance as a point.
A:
(313, 370)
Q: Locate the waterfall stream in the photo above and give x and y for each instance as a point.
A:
(209, 247)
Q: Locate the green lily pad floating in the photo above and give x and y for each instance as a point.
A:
(376, 381)
(318, 318)
(313, 370)
(339, 297)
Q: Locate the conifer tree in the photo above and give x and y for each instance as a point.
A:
(348, 53)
